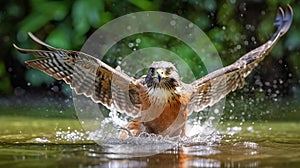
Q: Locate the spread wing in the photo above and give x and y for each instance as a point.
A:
(216, 85)
(88, 76)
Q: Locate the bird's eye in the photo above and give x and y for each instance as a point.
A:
(151, 71)
(169, 71)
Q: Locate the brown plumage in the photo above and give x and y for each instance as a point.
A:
(159, 102)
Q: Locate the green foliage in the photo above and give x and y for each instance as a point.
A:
(60, 37)
(235, 27)
(146, 4)
(42, 12)
(36, 78)
(293, 42)
(5, 82)
(86, 14)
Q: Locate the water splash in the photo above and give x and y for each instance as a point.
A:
(202, 134)
(41, 140)
(148, 144)
(143, 145)
(70, 136)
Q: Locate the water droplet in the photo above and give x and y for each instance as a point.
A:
(130, 45)
(173, 22)
(174, 16)
(250, 128)
(18, 91)
(138, 40)
(55, 88)
(41, 140)
(250, 145)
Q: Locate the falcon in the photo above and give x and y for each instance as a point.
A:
(158, 102)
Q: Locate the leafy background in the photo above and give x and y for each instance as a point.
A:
(234, 26)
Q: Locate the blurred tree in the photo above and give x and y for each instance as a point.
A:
(235, 27)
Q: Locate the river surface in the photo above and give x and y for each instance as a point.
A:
(28, 141)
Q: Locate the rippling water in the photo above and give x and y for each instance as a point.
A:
(36, 142)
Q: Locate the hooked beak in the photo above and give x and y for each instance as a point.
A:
(160, 74)
(159, 77)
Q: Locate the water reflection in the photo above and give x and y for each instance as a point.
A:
(219, 155)
(201, 162)
(171, 158)
(123, 164)
(240, 148)
(200, 150)
(193, 156)
(240, 154)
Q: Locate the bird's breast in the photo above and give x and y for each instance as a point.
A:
(162, 108)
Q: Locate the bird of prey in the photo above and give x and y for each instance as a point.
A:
(159, 101)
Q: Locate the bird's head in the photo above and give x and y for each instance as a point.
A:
(162, 74)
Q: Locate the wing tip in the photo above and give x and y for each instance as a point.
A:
(37, 40)
(22, 50)
(283, 21)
